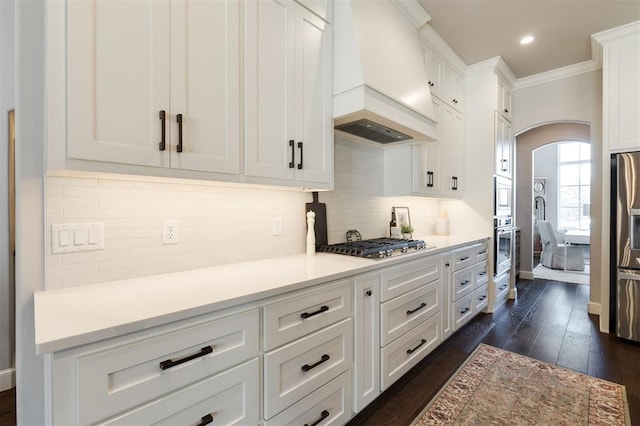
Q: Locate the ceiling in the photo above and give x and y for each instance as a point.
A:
(481, 29)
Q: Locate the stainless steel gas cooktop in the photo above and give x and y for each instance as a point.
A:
(376, 248)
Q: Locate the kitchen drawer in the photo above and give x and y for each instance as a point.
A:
(462, 311)
(402, 354)
(480, 252)
(463, 281)
(323, 355)
(480, 298)
(399, 279)
(401, 314)
(309, 311)
(331, 403)
(113, 380)
(481, 273)
(229, 398)
(463, 258)
(501, 286)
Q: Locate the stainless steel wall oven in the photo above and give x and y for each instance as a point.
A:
(503, 240)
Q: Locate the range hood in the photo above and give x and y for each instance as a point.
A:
(380, 81)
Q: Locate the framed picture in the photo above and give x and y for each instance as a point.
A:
(402, 215)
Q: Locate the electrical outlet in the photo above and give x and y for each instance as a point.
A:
(276, 228)
(170, 232)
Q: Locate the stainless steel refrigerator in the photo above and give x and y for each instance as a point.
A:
(626, 207)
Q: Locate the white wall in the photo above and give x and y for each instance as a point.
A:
(7, 63)
(576, 99)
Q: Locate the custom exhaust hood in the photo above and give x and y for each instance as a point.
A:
(380, 82)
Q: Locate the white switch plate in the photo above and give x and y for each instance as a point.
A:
(276, 227)
(71, 237)
(170, 231)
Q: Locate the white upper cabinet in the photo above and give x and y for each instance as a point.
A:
(503, 147)
(135, 69)
(621, 87)
(503, 98)
(453, 88)
(435, 67)
(451, 152)
(288, 116)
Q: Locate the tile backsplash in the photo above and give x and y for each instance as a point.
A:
(218, 224)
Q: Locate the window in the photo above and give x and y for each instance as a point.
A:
(574, 185)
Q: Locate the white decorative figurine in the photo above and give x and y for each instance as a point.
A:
(311, 233)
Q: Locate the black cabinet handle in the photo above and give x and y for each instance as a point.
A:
(293, 153)
(464, 311)
(465, 282)
(306, 315)
(170, 363)
(308, 367)
(482, 273)
(454, 183)
(163, 134)
(323, 416)
(482, 297)
(368, 293)
(462, 259)
(301, 155)
(455, 101)
(179, 120)
(447, 264)
(430, 84)
(502, 287)
(206, 420)
(410, 351)
(430, 179)
(506, 110)
(422, 305)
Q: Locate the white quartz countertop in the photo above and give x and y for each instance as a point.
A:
(74, 316)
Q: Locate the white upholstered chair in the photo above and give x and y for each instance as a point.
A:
(558, 255)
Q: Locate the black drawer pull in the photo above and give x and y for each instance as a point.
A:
(179, 120)
(482, 252)
(301, 156)
(323, 416)
(306, 315)
(368, 293)
(206, 420)
(410, 351)
(464, 311)
(163, 134)
(170, 363)
(482, 273)
(462, 259)
(293, 153)
(308, 367)
(422, 305)
(482, 297)
(503, 287)
(465, 282)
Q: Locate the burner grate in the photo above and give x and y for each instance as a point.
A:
(376, 248)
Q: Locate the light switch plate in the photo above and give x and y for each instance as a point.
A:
(72, 237)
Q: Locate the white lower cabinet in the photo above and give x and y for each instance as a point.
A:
(229, 398)
(329, 405)
(295, 370)
(95, 382)
(469, 275)
(399, 356)
(366, 290)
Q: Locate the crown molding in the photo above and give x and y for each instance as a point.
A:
(558, 74)
(613, 34)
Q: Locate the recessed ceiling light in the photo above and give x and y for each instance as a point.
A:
(526, 40)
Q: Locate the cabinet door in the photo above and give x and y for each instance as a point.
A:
(367, 340)
(288, 120)
(503, 98)
(313, 91)
(451, 146)
(205, 85)
(622, 94)
(503, 146)
(434, 72)
(269, 83)
(453, 89)
(117, 80)
(426, 166)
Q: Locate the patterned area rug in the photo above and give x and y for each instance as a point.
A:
(496, 387)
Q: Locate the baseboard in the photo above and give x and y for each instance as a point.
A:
(593, 308)
(526, 275)
(7, 379)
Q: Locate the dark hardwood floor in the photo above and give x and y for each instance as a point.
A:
(549, 321)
